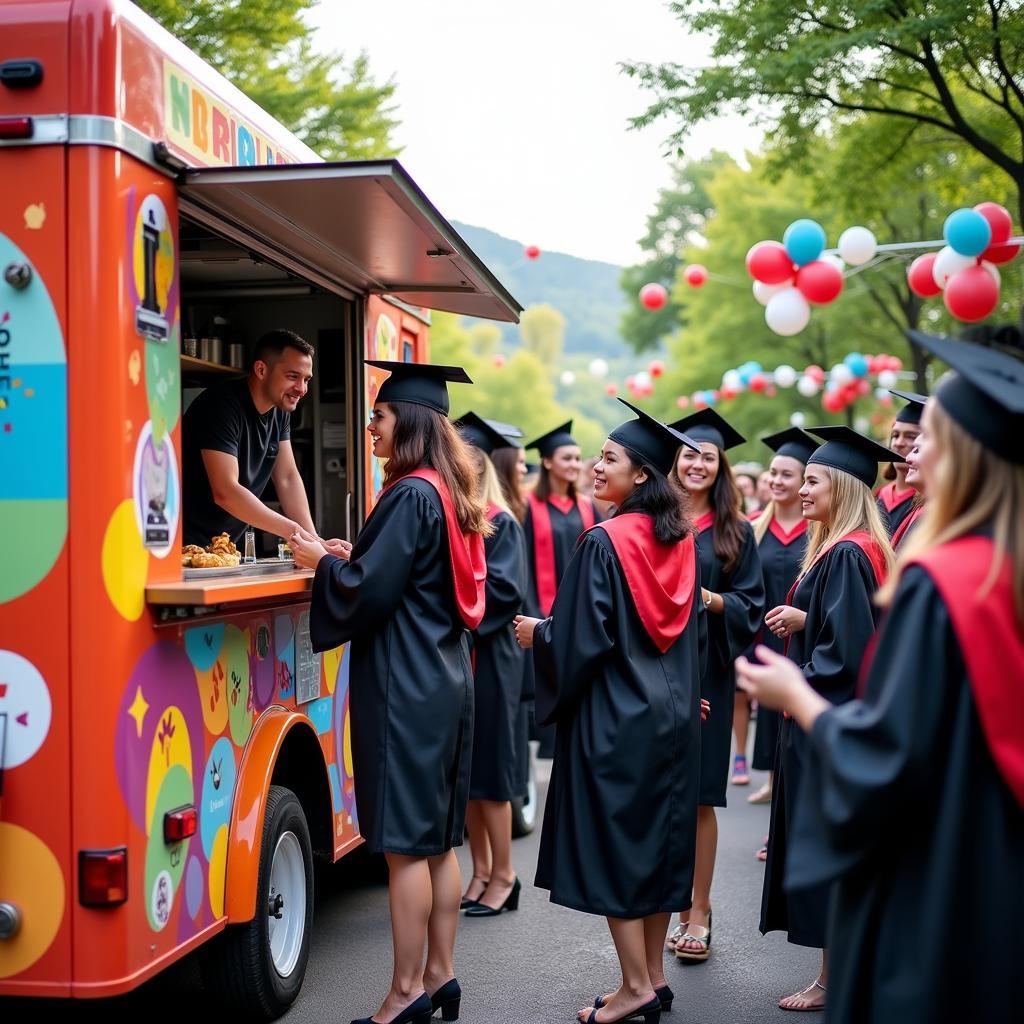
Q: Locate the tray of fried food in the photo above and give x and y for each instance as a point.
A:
(220, 556)
(188, 552)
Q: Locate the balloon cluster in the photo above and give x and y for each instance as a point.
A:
(839, 387)
(792, 275)
(966, 271)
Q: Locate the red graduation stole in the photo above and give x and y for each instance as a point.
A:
(466, 552)
(660, 576)
(992, 641)
(493, 511)
(904, 528)
(706, 520)
(776, 530)
(891, 497)
(544, 545)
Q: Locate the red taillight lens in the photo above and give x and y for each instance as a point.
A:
(15, 127)
(102, 877)
(180, 824)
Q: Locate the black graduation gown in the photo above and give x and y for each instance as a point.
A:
(411, 694)
(620, 819)
(498, 669)
(780, 566)
(730, 634)
(837, 595)
(894, 516)
(905, 807)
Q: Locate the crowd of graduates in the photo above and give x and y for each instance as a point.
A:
(879, 634)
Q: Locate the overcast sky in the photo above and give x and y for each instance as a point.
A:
(514, 112)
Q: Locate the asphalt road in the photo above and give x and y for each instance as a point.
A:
(539, 964)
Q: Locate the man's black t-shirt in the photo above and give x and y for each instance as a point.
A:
(224, 419)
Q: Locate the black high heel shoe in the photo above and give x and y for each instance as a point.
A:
(447, 999)
(511, 903)
(466, 902)
(651, 1013)
(419, 1011)
(665, 996)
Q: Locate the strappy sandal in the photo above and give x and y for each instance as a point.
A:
(675, 935)
(704, 941)
(804, 1009)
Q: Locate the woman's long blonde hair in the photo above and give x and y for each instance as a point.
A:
(488, 486)
(851, 507)
(971, 487)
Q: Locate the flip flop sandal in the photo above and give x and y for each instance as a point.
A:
(674, 936)
(805, 1009)
(704, 940)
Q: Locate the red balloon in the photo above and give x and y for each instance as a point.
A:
(863, 387)
(999, 220)
(727, 394)
(886, 400)
(820, 282)
(815, 372)
(653, 295)
(499, 360)
(695, 275)
(683, 402)
(758, 382)
(920, 276)
(532, 252)
(656, 368)
(850, 392)
(611, 390)
(971, 294)
(832, 401)
(698, 400)
(769, 263)
(895, 363)
(1000, 253)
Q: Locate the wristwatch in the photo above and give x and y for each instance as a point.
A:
(707, 601)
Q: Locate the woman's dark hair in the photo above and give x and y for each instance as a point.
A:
(663, 500)
(424, 437)
(543, 488)
(506, 462)
(726, 505)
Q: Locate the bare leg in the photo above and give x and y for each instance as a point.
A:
(409, 897)
(497, 816)
(703, 874)
(444, 920)
(655, 930)
(740, 723)
(812, 997)
(480, 848)
(636, 989)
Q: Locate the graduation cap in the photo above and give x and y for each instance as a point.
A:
(507, 431)
(553, 439)
(650, 440)
(477, 431)
(707, 425)
(419, 383)
(853, 453)
(910, 413)
(792, 441)
(985, 394)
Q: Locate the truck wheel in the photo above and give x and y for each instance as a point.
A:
(257, 967)
(524, 808)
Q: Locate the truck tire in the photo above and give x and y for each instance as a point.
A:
(524, 808)
(257, 967)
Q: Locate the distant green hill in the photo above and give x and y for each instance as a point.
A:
(585, 292)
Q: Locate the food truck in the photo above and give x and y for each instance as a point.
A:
(172, 752)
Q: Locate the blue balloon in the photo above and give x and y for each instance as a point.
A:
(746, 373)
(709, 397)
(857, 363)
(804, 239)
(967, 232)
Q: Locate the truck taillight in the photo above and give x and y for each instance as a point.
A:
(15, 127)
(180, 824)
(102, 877)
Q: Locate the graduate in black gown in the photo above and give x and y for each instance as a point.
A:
(828, 619)
(618, 666)
(781, 535)
(915, 794)
(913, 478)
(556, 516)
(405, 596)
(896, 498)
(498, 682)
(733, 595)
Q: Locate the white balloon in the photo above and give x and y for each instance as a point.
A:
(888, 379)
(862, 424)
(948, 263)
(797, 419)
(731, 380)
(598, 368)
(568, 378)
(807, 386)
(642, 380)
(785, 376)
(833, 261)
(788, 312)
(994, 271)
(840, 374)
(882, 393)
(857, 246)
(764, 293)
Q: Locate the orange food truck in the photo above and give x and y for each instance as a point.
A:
(172, 752)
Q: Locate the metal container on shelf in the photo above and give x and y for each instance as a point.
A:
(190, 347)
(211, 349)
(236, 355)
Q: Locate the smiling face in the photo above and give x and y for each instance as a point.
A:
(816, 494)
(564, 464)
(926, 459)
(697, 472)
(521, 464)
(615, 476)
(901, 440)
(785, 476)
(914, 477)
(381, 429)
(284, 382)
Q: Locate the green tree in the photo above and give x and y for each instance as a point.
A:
(800, 64)
(542, 329)
(266, 49)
